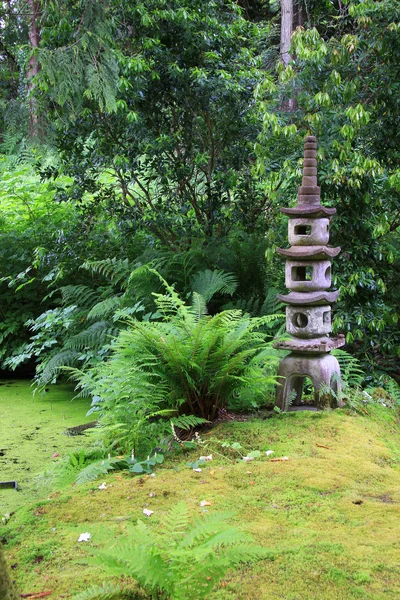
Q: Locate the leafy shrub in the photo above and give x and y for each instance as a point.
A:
(179, 560)
(188, 363)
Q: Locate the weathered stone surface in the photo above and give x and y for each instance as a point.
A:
(303, 276)
(308, 321)
(309, 252)
(308, 232)
(310, 298)
(308, 314)
(293, 369)
(304, 210)
(318, 345)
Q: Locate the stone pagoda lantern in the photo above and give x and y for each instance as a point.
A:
(308, 314)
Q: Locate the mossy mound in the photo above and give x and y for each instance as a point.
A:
(329, 514)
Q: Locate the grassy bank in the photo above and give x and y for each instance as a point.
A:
(330, 514)
(31, 432)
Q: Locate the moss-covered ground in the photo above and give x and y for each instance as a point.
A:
(330, 514)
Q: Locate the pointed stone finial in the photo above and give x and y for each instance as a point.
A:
(309, 192)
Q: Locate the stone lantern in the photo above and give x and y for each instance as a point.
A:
(308, 314)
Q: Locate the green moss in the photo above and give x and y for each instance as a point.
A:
(329, 515)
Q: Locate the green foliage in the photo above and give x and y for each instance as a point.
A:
(335, 88)
(180, 560)
(350, 368)
(188, 363)
(106, 592)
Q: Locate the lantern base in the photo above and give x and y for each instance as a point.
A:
(322, 370)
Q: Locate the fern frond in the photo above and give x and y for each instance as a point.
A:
(392, 388)
(93, 471)
(50, 370)
(199, 307)
(350, 368)
(81, 295)
(94, 337)
(207, 283)
(114, 269)
(187, 422)
(104, 309)
(105, 592)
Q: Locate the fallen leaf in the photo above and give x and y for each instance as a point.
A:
(38, 595)
(249, 472)
(283, 458)
(148, 512)
(212, 472)
(322, 446)
(223, 583)
(84, 537)
(251, 483)
(205, 503)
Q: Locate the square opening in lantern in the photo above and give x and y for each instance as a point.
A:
(302, 273)
(302, 229)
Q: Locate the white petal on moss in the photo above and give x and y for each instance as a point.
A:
(205, 503)
(103, 486)
(269, 452)
(198, 470)
(84, 537)
(209, 457)
(148, 512)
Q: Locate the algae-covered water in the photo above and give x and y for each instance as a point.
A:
(31, 432)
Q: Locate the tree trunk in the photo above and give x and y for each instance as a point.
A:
(287, 12)
(7, 590)
(33, 65)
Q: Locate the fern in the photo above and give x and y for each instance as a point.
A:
(93, 471)
(180, 560)
(189, 363)
(106, 592)
(207, 283)
(187, 422)
(93, 337)
(104, 309)
(392, 388)
(81, 295)
(351, 371)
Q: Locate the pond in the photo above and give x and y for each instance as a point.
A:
(31, 433)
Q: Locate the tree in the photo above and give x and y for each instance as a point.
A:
(337, 84)
(177, 140)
